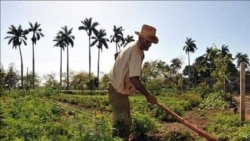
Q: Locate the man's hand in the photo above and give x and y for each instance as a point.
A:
(137, 83)
(151, 99)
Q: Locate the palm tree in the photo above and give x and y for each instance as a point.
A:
(211, 53)
(60, 43)
(242, 58)
(117, 37)
(67, 38)
(208, 58)
(36, 30)
(128, 39)
(224, 50)
(89, 27)
(101, 40)
(189, 47)
(16, 38)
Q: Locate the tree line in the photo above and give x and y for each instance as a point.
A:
(17, 36)
(216, 62)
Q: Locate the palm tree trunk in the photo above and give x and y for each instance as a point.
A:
(60, 68)
(67, 67)
(21, 57)
(27, 79)
(98, 67)
(116, 47)
(189, 63)
(189, 67)
(98, 64)
(33, 66)
(89, 59)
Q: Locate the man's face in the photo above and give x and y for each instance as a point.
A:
(145, 43)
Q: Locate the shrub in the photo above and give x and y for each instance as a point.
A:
(179, 136)
(192, 98)
(244, 132)
(202, 89)
(176, 105)
(100, 130)
(225, 126)
(164, 116)
(214, 101)
(142, 125)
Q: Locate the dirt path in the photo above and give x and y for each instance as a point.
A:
(247, 105)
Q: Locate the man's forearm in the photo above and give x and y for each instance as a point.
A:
(138, 85)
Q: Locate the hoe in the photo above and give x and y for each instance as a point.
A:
(186, 123)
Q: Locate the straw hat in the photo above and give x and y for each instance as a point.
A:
(148, 33)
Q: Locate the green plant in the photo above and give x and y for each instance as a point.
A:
(214, 101)
(225, 126)
(175, 104)
(192, 98)
(202, 89)
(100, 130)
(179, 136)
(244, 132)
(142, 124)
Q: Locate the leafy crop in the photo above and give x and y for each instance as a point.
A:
(48, 115)
(214, 101)
(228, 127)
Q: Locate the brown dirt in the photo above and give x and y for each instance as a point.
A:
(194, 117)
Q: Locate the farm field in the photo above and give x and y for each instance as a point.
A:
(48, 115)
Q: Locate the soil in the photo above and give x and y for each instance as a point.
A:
(195, 117)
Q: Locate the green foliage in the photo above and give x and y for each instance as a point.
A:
(99, 130)
(244, 132)
(95, 101)
(192, 98)
(140, 104)
(48, 91)
(31, 116)
(202, 89)
(155, 86)
(228, 127)
(176, 105)
(220, 71)
(50, 80)
(178, 136)
(104, 84)
(46, 114)
(25, 118)
(11, 77)
(2, 83)
(142, 124)
(214, 101)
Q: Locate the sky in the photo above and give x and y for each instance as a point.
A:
(207, 22)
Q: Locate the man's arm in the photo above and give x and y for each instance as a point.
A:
(138, 85)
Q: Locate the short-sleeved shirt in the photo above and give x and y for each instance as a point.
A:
(127, 64)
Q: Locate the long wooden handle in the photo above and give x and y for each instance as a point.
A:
(186, 123)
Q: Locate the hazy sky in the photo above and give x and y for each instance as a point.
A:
(206, 22)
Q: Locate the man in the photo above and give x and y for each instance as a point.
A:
(125, 80)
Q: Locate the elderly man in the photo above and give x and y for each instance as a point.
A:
(125, 81)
